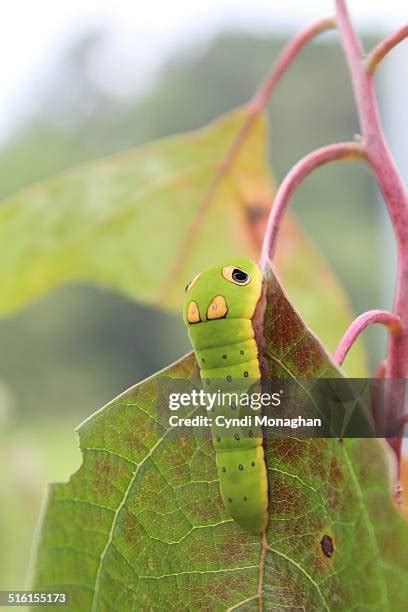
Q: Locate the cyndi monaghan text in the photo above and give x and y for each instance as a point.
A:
(246, 421)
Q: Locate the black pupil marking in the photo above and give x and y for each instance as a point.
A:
(229, 378)
(240, 467)
(250, 433)
(253, 463)
(233, 405)
(236, 436)
(202, 359)
(245, 498)
(246, 374)
(229, 499)
(224, 356)
(239, 276)
(242, 352)
(224, 469)
(218, 439)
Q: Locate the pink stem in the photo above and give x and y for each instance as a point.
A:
(388, 319)
(392, 187)
(341, 150)
(285, 58)
(384, 47)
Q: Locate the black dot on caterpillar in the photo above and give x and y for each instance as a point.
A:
(233, 405)
(224, 356)
(250, 433)
(224, 469)
(240, 467)
(242, 352)
(236, 436)
(246, 374)
(253, 463)
(245, 499)
(229, 378)
(230, 500)
(218, 439)
(202, 359)
(208, 381)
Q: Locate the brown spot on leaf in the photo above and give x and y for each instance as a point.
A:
(290, 451)
(320, 460)
(233, 546)
(327, 545)
(255, 212)
(336, 473)
(102, 477)
(286, 498)
(334, 498)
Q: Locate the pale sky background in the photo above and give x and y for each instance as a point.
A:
(33, 34)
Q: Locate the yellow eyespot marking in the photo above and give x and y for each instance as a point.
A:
(193, 314)
(217, 309)
(236, 275)
(192, 282)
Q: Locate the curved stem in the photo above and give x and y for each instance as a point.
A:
(285, 58)
(378, 153)
(259, 101)
(388, 319)
(339, 151)
(384, 47)
(393, 190)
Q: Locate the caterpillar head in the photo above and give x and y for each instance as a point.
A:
(226, 291)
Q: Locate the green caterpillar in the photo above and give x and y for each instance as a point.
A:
(220, 309)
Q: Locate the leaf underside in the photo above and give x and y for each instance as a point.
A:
(141, 525)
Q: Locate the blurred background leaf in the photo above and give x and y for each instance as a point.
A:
(123, 221)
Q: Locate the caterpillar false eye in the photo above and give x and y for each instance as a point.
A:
(236, 275)
(191, 283)
(240, 277)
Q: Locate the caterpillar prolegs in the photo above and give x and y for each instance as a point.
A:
(219, 310)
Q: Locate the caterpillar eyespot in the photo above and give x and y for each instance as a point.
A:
(191, 283)
(236, 275)
(227, 312)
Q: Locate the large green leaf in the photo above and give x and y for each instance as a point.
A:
(141, 525)
(123, 220)
(127, 222)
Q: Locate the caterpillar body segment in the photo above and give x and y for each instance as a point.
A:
(219, 310)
